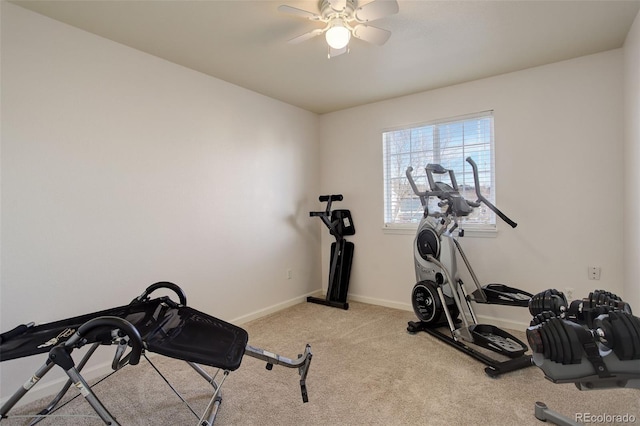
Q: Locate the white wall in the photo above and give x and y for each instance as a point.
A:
(558, 139)
(632, 165)
(120, 169)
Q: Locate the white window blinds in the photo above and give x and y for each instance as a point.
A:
(448, 143)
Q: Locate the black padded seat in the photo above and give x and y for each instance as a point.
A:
(166, 328)
(190, 335)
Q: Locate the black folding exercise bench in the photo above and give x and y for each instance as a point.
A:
(158, 325)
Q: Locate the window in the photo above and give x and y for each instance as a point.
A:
(448, 143)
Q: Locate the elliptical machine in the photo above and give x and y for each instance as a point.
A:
(340, 224)
(439, 297)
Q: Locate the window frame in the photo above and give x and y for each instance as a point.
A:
(488, 229)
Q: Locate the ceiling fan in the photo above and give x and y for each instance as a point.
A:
(343, 19)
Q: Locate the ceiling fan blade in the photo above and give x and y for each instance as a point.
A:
(337, 52)
(306, 36)
(338, 5)
(299, 12)
(375, 10)
(371, 34)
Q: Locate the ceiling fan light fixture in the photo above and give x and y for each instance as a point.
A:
(338, 35)
(344, 19)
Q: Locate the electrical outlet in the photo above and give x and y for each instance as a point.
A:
(594, 272)
(289, 274)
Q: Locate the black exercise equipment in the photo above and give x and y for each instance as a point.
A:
(340, 224)
(439, 297)
(158, 325)
(593, 342)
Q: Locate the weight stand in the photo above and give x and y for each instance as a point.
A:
(340, 224)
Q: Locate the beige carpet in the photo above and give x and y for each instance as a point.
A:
(366, 370)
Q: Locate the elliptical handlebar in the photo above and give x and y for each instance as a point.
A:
(413, 184)
(432, 168)
(439, 170)
(482, 199)
(446, 195)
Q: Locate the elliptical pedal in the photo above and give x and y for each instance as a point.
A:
(500, 294)
(498, 340)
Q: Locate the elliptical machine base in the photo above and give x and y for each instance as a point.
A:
(433, 318)
(494, 367)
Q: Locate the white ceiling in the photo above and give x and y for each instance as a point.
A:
(433, 43)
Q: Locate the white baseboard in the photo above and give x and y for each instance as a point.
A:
(272, 309)
(381, 302)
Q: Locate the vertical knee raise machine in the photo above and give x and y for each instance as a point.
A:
(340, 224)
